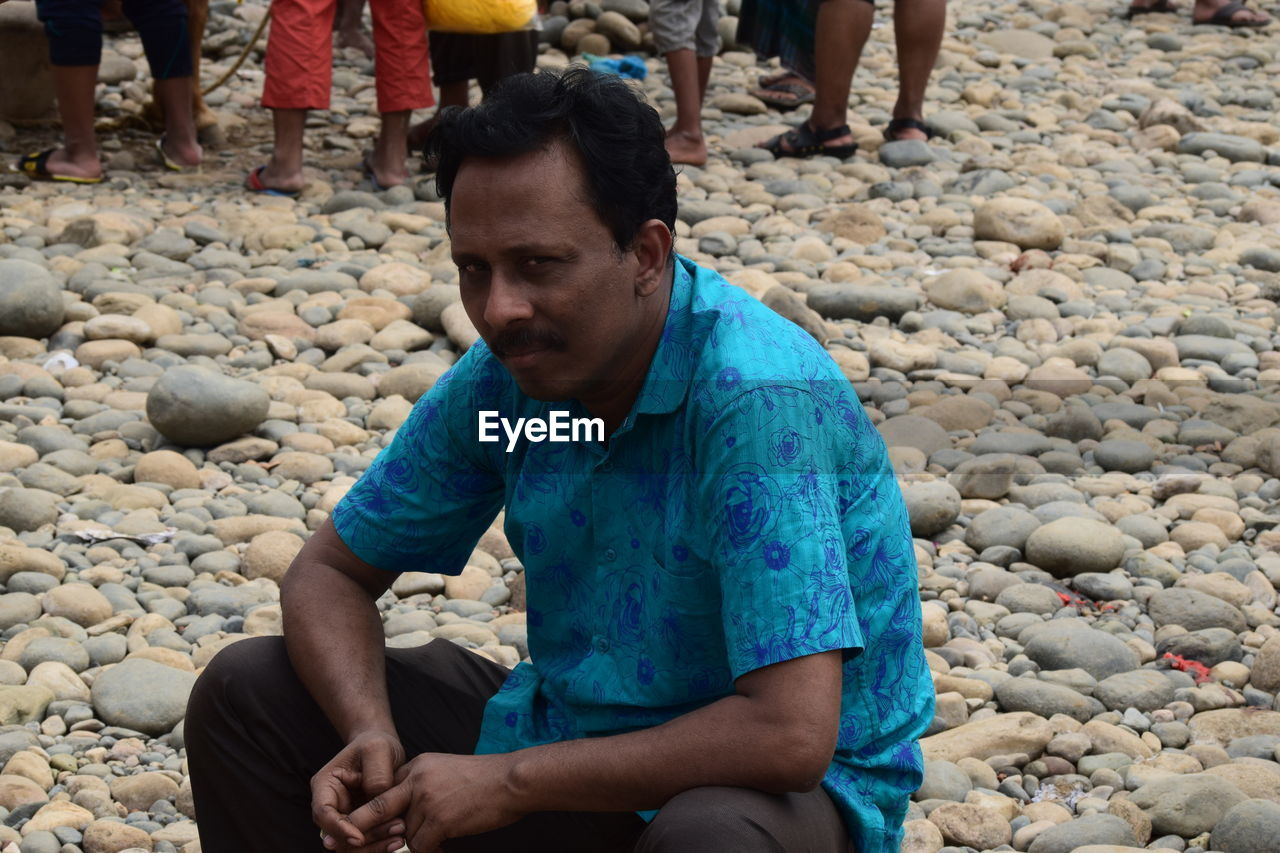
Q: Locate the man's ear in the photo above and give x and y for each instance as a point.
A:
(652, 248)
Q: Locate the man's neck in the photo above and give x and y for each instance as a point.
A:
(615, 399)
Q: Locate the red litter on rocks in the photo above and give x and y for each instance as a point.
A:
(1192, 667)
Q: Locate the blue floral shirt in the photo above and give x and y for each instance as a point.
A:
(745, 513)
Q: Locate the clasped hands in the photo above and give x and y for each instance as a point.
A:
(368, 799)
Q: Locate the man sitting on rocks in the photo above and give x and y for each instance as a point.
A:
(723, 625)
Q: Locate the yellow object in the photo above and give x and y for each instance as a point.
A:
(479, 17)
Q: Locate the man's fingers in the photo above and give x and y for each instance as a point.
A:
(337, 825)
(390, 804)
(385, 845)
(378, 771)
(386, 838)
(331, 797)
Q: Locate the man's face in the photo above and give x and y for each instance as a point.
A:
(540, 275)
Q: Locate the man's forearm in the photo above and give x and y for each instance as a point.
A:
(737, 741)
(334, 636)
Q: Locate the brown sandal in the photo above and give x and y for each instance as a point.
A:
(786, 96)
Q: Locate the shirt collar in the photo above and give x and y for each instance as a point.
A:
(667, 383)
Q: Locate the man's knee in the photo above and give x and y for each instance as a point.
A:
(245, 668)
(709, 818)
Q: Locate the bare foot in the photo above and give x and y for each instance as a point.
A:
(1206, 9)
(357, 38)
(687, 148)
(910, 133)
(275, 178)
(385, 174)
(61, 163)
(187, 155)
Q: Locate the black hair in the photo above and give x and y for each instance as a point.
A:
(619, 137)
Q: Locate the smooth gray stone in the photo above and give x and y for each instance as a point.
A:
(1248, 827)
(1144, 689)
(142, 695)
(1235, 148)
(1070, 643)
(865, 303)
(1046, 699)
(1210, 646)
(1194, 610)
(30, 300)
(906, 152)
(194, 406)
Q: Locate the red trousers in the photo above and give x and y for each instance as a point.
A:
(300, 55)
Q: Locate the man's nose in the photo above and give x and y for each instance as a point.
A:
(507, 300)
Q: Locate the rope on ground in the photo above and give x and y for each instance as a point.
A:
(244, 54)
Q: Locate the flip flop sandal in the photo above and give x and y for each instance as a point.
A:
(1160, 6)
(169, 163)
(775, 95)
(1223, 18)
(898, 125)
(36, 166)
(804, 141)
(254, 183)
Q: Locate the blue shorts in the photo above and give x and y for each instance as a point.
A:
(74, 28)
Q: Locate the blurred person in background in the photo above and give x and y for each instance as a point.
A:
(74, 30)
(824, 38)
(684, 32)
(299, 72)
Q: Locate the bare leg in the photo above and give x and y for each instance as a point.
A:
(390, 150)
(79, 155)
(704, 77)
(350, 28)
(842, 30)
(284, 170)
(452, 94)
(917, 29)
(684, 140)
(174, 97)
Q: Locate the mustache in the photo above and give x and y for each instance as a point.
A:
(523, 340)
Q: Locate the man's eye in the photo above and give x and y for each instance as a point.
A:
(471, 269)
(537, 261)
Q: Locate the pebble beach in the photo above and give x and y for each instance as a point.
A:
(1061, 314)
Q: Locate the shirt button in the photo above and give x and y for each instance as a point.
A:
(610, 555)
(602, 645)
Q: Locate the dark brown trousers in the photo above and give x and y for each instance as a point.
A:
(255, 737)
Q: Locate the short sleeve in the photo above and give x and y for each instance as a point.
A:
(769, 491)
(425, 501)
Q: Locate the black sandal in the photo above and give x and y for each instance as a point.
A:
(898, 125)
(804, 141)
